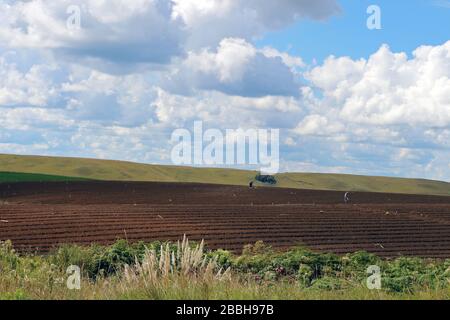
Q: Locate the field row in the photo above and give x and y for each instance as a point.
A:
(42, 227)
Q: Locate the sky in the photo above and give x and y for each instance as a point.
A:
(113, 79)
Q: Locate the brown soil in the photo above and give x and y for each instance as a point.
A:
(40, 216)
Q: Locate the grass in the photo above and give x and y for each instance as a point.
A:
(120, 170)
(189, 271)
(127, 171)
(363, 183)
(32, 177)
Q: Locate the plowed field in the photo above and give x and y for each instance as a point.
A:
(39, 216)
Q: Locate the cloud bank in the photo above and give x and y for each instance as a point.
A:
(135, 71)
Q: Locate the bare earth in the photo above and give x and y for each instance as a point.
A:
(39, 216)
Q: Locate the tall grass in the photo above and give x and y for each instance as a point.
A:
(183, 261)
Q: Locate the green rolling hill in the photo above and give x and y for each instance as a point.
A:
(38, 168)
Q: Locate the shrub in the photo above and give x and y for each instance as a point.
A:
(360, 260)
(223, 258)
(266, 179)
(402, 274)
(305, 275)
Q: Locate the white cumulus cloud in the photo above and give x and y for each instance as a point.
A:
(236, 67)
(389, 88)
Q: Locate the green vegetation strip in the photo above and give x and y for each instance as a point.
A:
(9, 177)
(188, 271)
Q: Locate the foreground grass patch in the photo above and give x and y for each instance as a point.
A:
(188, 271)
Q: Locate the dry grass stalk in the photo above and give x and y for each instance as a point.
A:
(184, 260)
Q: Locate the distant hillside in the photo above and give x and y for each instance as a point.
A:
(362, 183)
(128, 171)
(120, 170)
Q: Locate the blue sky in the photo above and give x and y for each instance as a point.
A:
(113, 79)
(406, 24)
